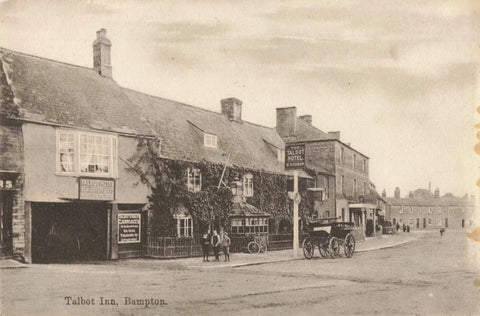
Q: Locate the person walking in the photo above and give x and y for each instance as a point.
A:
(442, 230)
(205, 244)
(216, 244)
(226, 246)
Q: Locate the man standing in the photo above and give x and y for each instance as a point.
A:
(226, 246)
(205, 245)
(216, 244)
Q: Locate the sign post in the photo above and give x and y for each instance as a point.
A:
(295, 159)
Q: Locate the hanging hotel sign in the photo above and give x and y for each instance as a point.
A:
(295, 156)
(96, 189)
(129, 228)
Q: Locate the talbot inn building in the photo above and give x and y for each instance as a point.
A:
(69, 187)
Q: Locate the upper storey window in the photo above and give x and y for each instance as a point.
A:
(210, 140)
(84, 153)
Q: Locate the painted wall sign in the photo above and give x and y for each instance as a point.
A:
(129, 228)
(96, 189)
(8, 180)
(295, 156)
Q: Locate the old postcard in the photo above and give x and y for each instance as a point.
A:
(239, 158)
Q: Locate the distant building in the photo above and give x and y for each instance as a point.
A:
(424, 210)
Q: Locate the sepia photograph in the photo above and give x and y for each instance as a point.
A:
(239, 157)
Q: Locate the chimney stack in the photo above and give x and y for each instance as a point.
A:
(396, 194)
(101, 54)
(232, 109)
(286, 121)
(307, 118)
(335, 135)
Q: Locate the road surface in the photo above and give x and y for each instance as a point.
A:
(431, 276)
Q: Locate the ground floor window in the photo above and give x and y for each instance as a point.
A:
(237, 225)
(429, 221)
(184, 226)
(256, 225)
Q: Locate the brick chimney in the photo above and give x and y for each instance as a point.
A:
(101, 54)
(232, 109)
(396, 194)
(335, 135)
(286, 121)
(307, 118)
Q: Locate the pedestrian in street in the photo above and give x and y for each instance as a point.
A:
(398, 227)
(226, 246)
(404, 228)
(205, 244)
(442, 230)
(216, 244)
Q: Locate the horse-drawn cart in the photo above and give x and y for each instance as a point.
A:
(329, 237)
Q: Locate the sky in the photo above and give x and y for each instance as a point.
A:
(399, 79)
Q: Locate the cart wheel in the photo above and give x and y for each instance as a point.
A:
(253, 247)
(308, 248)
(334, 247)
(349, 245)
(323, 249)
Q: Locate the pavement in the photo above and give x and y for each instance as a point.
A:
(245, 259)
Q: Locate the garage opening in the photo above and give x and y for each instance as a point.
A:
(69, 232)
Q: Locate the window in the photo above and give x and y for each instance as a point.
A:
(184, 226)
(429, 221)
(439, 222)
(342, 156)
(364, 188)
(66, 151)
(365, 165)
(429, 210)
(342, 178)
(194, 180)
(327, 214)
(256, 225)
(248, 185)
(237, 225)
(84, 153)
(210, 140)
(280, 155)
(354, 187)
(354, 162)
(400, 211)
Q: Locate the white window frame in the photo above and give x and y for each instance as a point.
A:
(112, 154)
(237, 225)
(248, 185)
(210, 140)
(187, 229)
(192, 185)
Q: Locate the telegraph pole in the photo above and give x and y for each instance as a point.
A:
(296, 201)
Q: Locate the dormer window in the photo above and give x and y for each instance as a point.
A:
(210, 140)
(194, 180)
(248, 185)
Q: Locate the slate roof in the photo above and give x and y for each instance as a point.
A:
(181, 129)
(52, 92)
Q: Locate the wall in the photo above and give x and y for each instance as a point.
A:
(12, 159)
(43, 185)
(346, 169)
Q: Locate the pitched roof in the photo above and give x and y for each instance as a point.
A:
(307, 132)
(181, 128)
(52, 92)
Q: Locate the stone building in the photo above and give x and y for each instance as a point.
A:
(68, 135)
(423, 210)
(347, 169)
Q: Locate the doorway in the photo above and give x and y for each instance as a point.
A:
(6, 203)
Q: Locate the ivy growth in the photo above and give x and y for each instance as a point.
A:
(168, 178)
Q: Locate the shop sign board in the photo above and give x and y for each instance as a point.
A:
(8, 180)
(129, 230)
(96, 189)
(295, 156)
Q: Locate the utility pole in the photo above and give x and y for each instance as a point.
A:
(296, 201)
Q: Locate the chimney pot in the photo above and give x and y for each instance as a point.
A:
(232, 109)
(307, 118)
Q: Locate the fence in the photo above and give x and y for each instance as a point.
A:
(174, 247)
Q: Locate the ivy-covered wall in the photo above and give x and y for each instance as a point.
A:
(168, 181)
